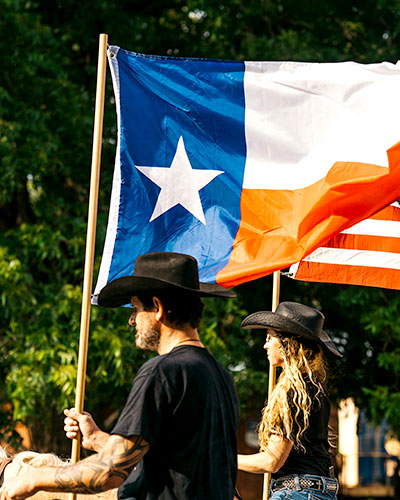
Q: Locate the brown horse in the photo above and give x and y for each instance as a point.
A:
(23, 462)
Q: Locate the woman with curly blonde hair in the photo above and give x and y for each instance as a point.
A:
(293, 432)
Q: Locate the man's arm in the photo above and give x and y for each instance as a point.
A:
(103, 471)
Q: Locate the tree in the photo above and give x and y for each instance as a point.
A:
(47, 84)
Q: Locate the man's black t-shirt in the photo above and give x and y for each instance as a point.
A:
(184, 404)
(316, 459)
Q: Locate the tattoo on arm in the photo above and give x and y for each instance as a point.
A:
(105, 470)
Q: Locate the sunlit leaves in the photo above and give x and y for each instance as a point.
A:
(47, 84)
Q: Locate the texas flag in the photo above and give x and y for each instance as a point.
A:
(247, 166)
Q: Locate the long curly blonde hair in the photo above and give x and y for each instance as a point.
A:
(299, 357)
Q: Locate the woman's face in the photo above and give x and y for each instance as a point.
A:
(272, 346)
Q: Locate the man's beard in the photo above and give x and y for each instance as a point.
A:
(149, 340)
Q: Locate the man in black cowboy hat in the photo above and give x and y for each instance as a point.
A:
(181, 417)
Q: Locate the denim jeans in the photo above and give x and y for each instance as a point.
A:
(303, 494)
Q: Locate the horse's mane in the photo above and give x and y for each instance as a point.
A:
(3, 453)
(34, 459)
(29, 459)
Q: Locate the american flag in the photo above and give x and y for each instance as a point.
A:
(367, 253)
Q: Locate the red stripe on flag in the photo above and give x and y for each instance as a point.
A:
(364, 242)
(348, 275)
(388, 213)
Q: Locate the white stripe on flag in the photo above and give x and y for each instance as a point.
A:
(343, 111)
(375, 227)
(385, 260)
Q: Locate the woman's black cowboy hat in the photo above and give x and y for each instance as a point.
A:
(160, 272)
(293, 319)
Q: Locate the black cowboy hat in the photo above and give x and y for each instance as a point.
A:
(160, 272)
(293, 319)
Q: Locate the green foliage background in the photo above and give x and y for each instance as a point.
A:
(47, 84)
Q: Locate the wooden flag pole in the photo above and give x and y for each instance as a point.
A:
(90, 237)
(272, 369)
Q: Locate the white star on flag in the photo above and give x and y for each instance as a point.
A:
(180, 184)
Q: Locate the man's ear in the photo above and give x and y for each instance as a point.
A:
(159, 307)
